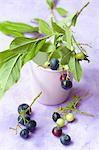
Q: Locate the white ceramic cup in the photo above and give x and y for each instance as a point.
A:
(48, 81)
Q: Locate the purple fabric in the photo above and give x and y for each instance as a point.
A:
(84, 131)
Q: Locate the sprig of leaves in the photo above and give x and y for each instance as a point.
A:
(62, 46)
(62, 11)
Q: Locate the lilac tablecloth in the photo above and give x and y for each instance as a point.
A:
(85, 130)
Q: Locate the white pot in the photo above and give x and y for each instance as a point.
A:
(48, 81)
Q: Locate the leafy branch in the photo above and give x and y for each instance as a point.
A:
(55, 41)
(72, 106)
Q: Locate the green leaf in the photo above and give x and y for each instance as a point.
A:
(28, 46)
(34, 49)
(56, 54)
(9, 73)
(61, 11)
(39, 45)
(66, 53)
(66, 20)
(6, 55)
(16, 29)
(75, 68)
(44, 28)
(41, 58)
(68, 37)
(57, 28)
(47, 47)
(37, 20)
(74, 19)
(50, 3)
(20, 42)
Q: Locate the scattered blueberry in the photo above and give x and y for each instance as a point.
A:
(56, 116)
(57, 131)
(21, 120)
(31, 125)
(66, 84)
(24, 107)
(54, 64)
(65, 139)
(24, 133)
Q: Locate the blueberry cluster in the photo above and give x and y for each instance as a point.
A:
(66, 83)
(65, 139)
(24, 119)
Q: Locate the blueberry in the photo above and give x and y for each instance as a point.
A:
(56, 116)
(54, 64)
(57, 131)
(66, 84)
(65, 139)
(24, 107)
(24, 133)
(31, 125)
(21, 120)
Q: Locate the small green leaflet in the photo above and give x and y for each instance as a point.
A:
(66, 20)
(57, 28)
(44, 28)
(74, 19)
(75, 68)
(16, 29)
(50, 3)
(9, 73)
(62, 11)
(37, 20)
(66, 53)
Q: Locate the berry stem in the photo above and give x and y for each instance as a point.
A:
(50, 55)
(67, 77)
(84, 113)
(33, 101)
(15, 129)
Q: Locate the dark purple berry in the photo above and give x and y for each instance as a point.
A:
(24, 107)
(24, 133)
(31, 125)
(57, 131)
(65, 139)
(22, 121)
(63, 77)
(56, 116)
(66, 84)
(54, 64)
